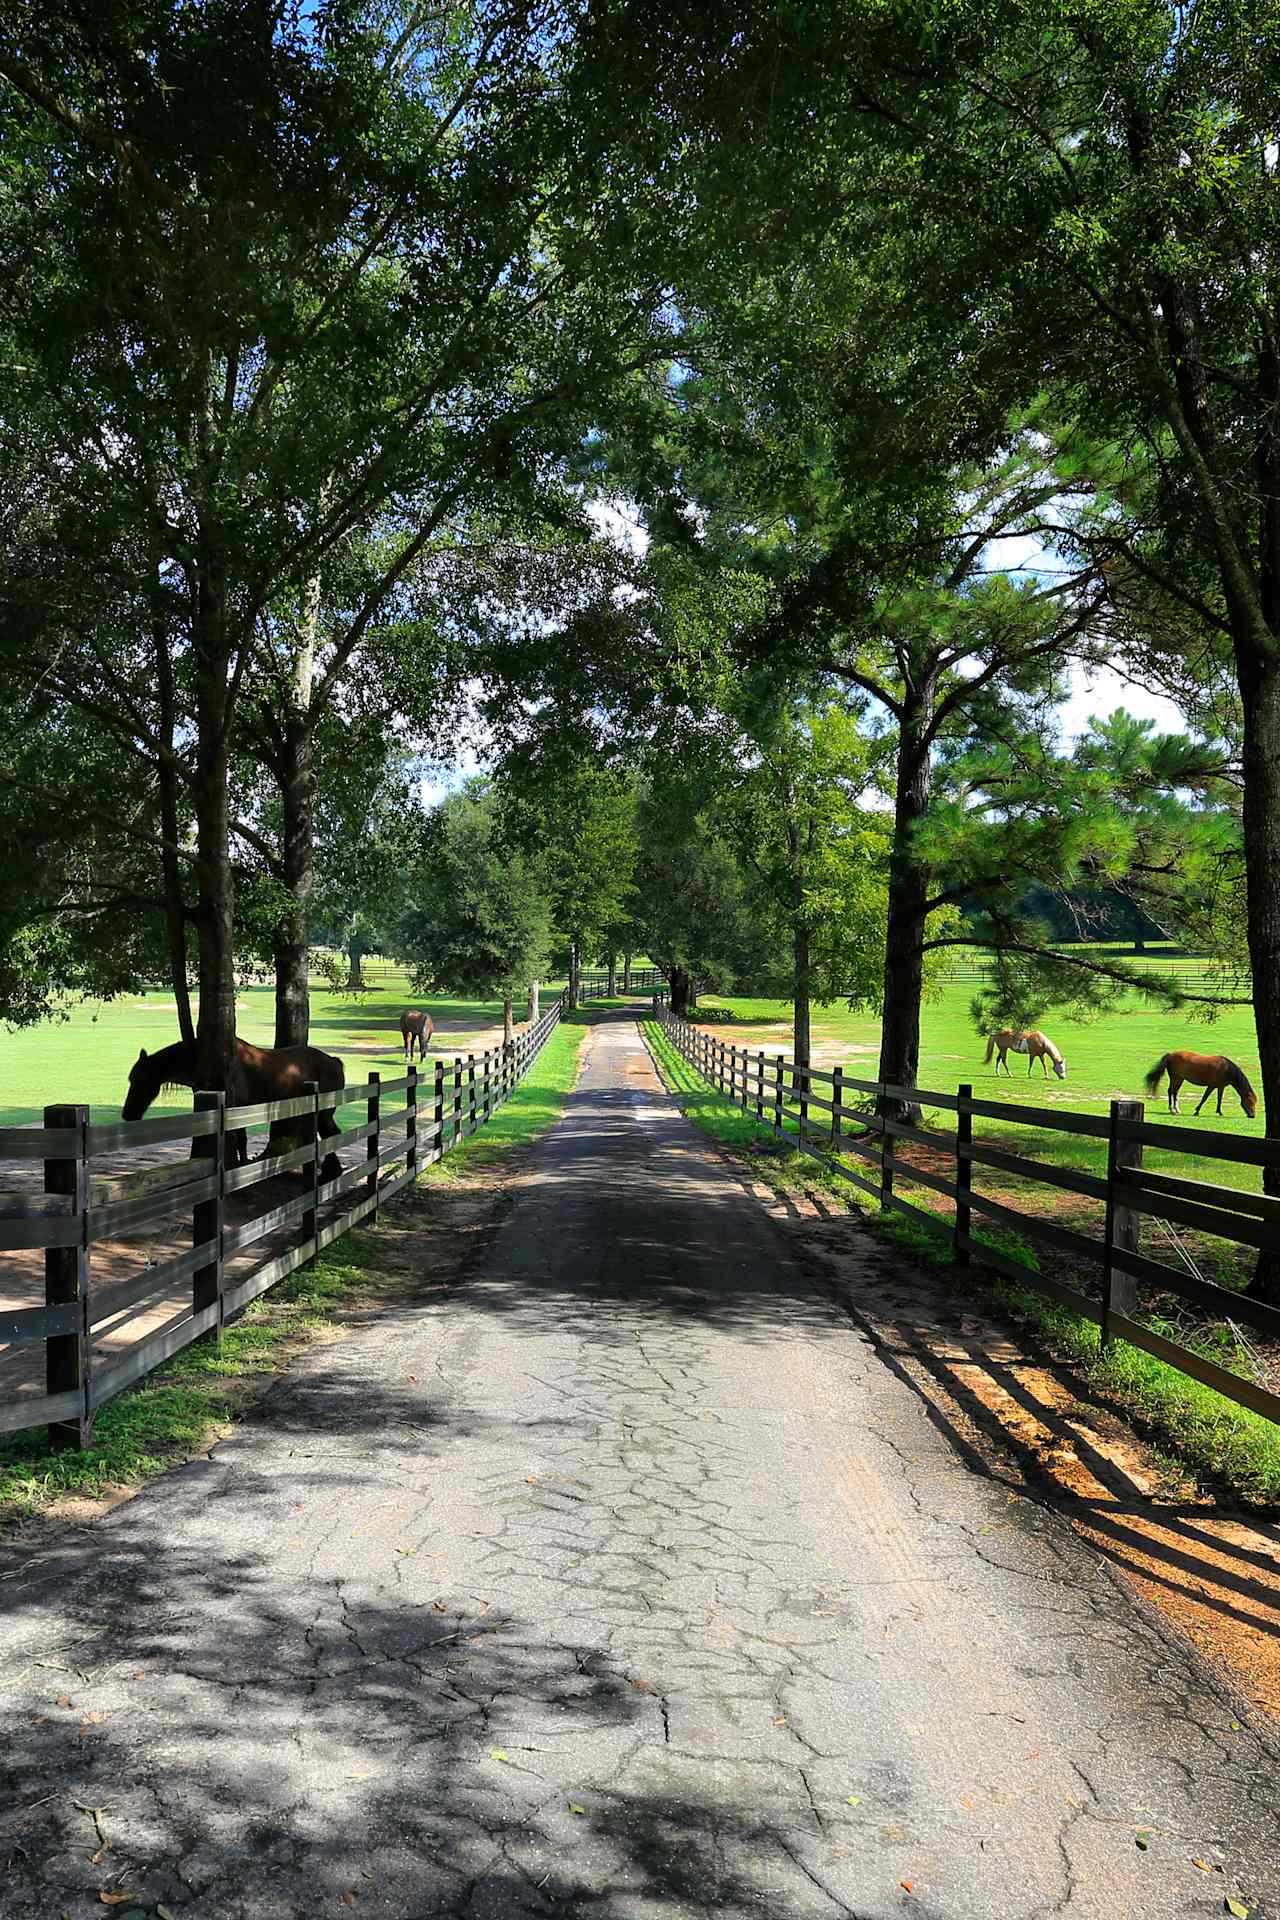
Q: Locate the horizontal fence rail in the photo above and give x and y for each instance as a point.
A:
(409, 1123)
(610, 986)
(833, 1115)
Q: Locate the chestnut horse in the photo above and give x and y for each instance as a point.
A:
(268, 1073)
(416, 1026)
(1212, 1071)
(1036, 1046)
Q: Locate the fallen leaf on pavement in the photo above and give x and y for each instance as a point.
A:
(908, 1886)
(574, 1808)
(64, 1700)
(1142, 1841)
(1236, 1908)
(496, 1753)
(117, 1899)
(854, 1799)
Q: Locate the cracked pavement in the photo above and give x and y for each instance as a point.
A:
(625, 1581)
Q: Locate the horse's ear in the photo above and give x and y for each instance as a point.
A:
(142, 1056)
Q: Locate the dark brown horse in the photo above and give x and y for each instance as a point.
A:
(268, 1073)
(419, 1026)
(1212, 1071)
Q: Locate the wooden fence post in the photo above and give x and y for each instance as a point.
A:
(411, 1119)
(457, 1100)
(733, 1073)
(471, 1093)
(886, 1148)
(760, 1086)
(964, 1174)
(373, 1115)
(777, 1094)
(837, 1090)
(800, 1078)
(1120, 1289)
(67, 1358)
(311, 1172)
(207, 1215)
(437, 1152)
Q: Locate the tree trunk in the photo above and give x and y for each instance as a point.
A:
(680, 985)
(533, 1003)
(626, 973)
(1260, 693)
(573, 973)
(175, 909)
(297, 861)
(800, 990)
(215, 1032)
(613, 975)
(216, 1066)
(508, 1024)
(908, 904)
(355, 954)
(175, 896)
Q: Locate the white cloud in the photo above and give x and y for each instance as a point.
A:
(1101, 691)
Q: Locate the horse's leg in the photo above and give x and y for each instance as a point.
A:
(329, 1130)
(1203, 1097)
(1175, 1088)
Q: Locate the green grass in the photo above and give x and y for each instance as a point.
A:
(536, 1104)
(1195, 1425)
(85, 1059)
(180, 1409)
(778, 1163)
(1106, 1060)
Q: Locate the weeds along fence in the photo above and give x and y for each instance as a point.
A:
(600, 987)
(822, 1113)
(106, 1319)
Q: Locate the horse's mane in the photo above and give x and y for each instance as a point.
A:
(1237, 1078)
(1048, 1046)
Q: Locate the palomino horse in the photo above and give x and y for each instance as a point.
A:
(1036, 1045)
(416, 1026)
(1212, 1071)
(269, 1073)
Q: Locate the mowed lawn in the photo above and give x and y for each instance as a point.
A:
(86, 1058)
(1106, 1059)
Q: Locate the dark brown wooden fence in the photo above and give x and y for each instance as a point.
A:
(598, 987)
(409, 1123)
(834, 1115)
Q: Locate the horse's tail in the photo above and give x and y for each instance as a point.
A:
(1152, 1080)
(991, 1047)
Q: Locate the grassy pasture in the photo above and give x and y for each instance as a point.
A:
(1107, 1060)
(86, 1058)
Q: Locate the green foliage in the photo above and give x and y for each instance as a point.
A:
(478, 919)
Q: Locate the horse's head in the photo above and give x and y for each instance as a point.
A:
(1248, 1100)
(1060, 1068)
(143, 1087)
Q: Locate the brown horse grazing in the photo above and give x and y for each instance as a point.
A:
(416, 1026)
(269, 1073)
(1036, 1046)
(1212, 1071)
